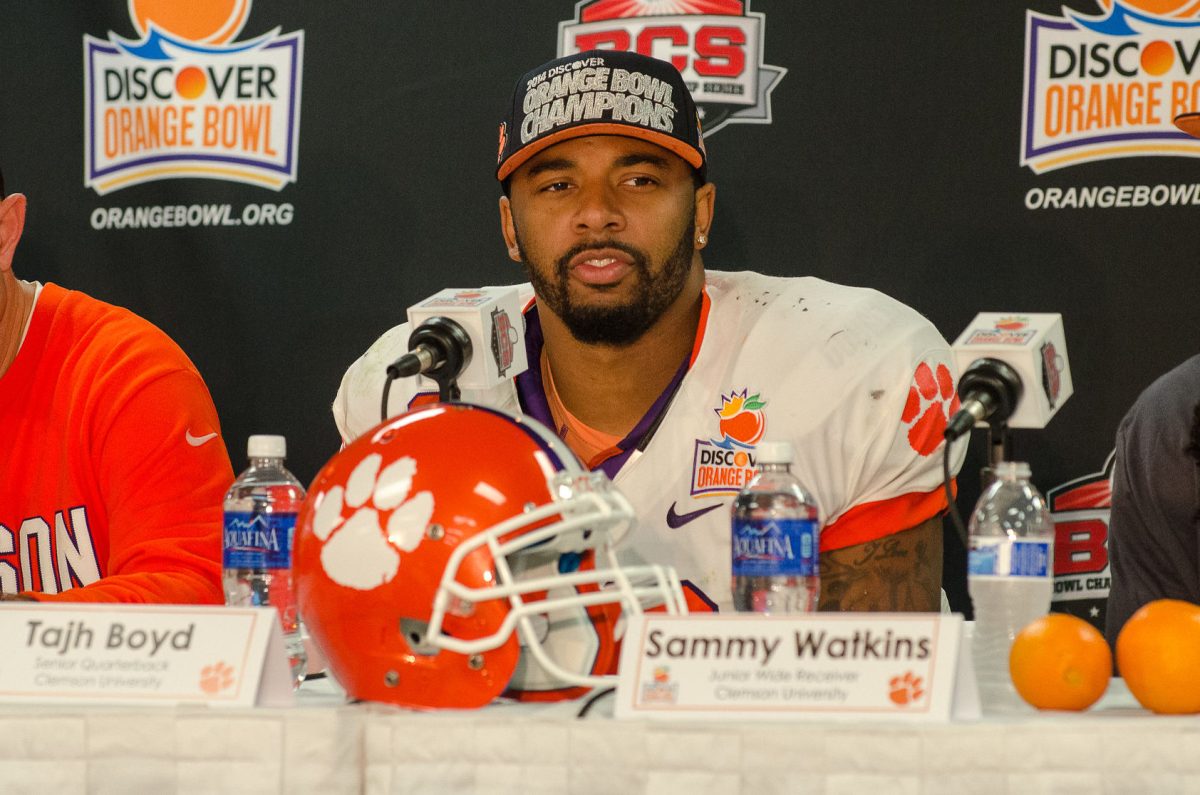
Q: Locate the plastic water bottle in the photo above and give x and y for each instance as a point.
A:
(775, 539)
(260, 522)
(1010, 575)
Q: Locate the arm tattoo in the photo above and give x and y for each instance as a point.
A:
(898, 573)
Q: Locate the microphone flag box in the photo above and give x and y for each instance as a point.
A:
(1035, 346)
(492, 319)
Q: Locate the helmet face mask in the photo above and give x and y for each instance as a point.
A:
(450, 578)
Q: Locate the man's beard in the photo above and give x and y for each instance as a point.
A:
(622, 324)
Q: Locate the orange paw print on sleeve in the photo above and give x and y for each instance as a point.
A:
(905, 690)
(931, 402)
(215, 678)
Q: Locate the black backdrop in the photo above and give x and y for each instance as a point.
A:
(892, 160)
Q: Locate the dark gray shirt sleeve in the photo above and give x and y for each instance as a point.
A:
(1153, 533)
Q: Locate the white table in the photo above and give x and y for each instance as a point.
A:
(325, 746)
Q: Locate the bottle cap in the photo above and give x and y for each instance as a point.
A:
(266, 446)
(1009, 470)
(775, 453)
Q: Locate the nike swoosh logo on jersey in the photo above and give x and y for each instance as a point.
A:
(677, 520)
(196, 441)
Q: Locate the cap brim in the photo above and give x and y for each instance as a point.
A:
(1189, 123)
(668, 142)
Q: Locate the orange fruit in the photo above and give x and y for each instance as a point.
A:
(1158, 652)
(1060, 662)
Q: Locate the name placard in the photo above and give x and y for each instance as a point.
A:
(140, 654)
(836, 666)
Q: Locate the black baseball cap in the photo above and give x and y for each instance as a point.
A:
(600, 92)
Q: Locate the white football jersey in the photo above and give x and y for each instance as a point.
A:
(860, 384)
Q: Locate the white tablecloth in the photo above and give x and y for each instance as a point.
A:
(325, 746)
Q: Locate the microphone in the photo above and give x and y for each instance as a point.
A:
(990, 391)
(1004, 358)
(469, 338)
(438, 347)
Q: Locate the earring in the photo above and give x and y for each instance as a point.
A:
(701, 239)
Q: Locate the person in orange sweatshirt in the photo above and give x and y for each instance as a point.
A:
(112, 465)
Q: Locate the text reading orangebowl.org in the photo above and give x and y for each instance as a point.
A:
(175, 215)
(1118, 196)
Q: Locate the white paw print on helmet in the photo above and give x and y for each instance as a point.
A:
(358, 552)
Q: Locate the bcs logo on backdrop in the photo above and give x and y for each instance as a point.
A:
(1106, 86)
(715, 44)
(1082, 576)
(185, 100)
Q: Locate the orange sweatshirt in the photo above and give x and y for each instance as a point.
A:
(112, 467)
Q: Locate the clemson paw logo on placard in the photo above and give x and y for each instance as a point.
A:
(931, 402)
(216, 677)
(904, 690)
(365, 526)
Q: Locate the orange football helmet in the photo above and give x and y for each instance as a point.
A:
(457, 552)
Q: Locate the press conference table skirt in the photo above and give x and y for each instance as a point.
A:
(326, 746)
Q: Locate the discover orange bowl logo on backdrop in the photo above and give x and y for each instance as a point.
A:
(186, 100)
(1108, 85)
